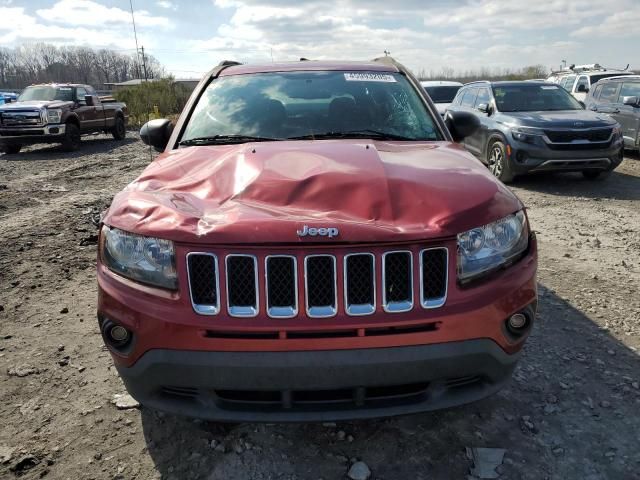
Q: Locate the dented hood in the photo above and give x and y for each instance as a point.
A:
(264, 192)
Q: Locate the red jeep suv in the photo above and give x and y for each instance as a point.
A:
(312, 245)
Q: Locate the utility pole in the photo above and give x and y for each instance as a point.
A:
(135, 35)
(144, 65)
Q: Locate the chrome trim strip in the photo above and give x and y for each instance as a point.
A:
(244, 310)
(281, 312)
(357, 310)
(324, 311)
(202, 309)
(434, 302)
(396, 307)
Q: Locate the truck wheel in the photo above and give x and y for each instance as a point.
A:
(119, 131)
(72, 138)
(11, 149)
(596, 174)
(498, 162)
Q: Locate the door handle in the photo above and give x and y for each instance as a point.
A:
(594, 108)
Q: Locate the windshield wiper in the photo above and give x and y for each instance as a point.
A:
(373, 134)
(222, 139)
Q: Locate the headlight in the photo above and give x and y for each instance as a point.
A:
(143, 259)
(523, 134)
(484, 249)
(54, 115)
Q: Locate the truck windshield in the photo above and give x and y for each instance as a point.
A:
(310, 104)
(442, 94)
(46, 93)
(534, 98)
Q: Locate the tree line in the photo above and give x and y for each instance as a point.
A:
(491, 74)
(43, 63)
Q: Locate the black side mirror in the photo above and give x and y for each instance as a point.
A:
(582, 89)
(483, 107)
(157, 133)
(89, 100)
(461, 124)
(633, 101)
(8, 100)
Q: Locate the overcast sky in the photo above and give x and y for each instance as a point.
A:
(189, 37)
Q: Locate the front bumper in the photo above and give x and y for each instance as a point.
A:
(32, 135)
(318, 385)
(527, 157)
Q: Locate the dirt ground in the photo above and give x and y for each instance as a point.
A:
(571, 410)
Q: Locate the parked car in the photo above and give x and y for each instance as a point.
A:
(579, 81)
(59, 113)
(536, 126)
(441, 92)
(8, 97)
(619, 97)
(313, 245)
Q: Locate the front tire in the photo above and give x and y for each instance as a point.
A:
(498, 163)
(11, 149)
(72, 138)
(119, 131)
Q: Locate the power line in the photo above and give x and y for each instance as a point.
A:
(135, 35)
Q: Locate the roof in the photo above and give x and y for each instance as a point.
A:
(58, 85)
(522, 83)
(439, 83)
(309, 65)
(621, 77)
(135, 81)
(596, 72)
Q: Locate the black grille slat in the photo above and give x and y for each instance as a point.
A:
(281, 282)
(434, 277)
(397, 277)
(321, 281)
(566, 136)
(202, 278)
(241, 281)
(360, 279)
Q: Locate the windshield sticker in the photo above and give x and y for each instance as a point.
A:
(369, 77)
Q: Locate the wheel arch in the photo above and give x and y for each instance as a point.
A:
(492, 137)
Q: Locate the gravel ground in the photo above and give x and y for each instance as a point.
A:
(571, 410)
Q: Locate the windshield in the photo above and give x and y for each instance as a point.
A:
(46, 93)
(287, 105)
(442, 94)
(533, 98)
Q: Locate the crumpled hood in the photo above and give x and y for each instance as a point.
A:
(560, 119)
(264, 192)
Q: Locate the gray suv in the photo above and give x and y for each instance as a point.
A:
(537, 126)
(619, 97)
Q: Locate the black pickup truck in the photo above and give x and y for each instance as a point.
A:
(59, 113)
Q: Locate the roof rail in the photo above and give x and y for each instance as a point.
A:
(228, 63)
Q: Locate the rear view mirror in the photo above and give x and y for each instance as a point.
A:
(483, 107)
(633, 101)
(89, 100)
(582, 89)
(156, 133)
(461, 124)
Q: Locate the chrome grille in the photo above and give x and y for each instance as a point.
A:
(397, 281)
(242, 285)
(320, 285)
(21, 118)
(204, 282)
(433, 272)
(359, 284)
(281, 286)
(362, 281)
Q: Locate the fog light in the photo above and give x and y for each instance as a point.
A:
(119, 334)
(517, 321)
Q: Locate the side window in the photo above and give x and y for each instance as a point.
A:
(596, 92)
(629, 89)
(567, 83)
(458, 99)
(91, 91)
(483, 97)
(469, 97)
(80, 93)
(582, 81)
(609, 93)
